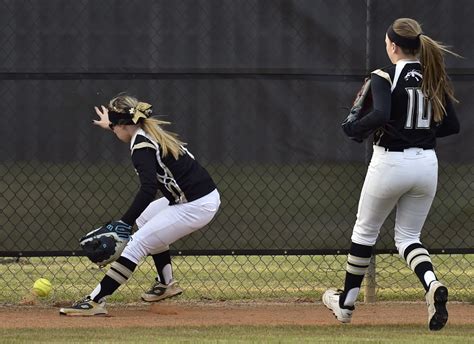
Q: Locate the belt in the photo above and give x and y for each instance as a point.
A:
(388, 149)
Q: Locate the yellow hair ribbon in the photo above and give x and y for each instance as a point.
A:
(142, 110)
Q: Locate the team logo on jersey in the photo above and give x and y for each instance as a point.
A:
(413, 74)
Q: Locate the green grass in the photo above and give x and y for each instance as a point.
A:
(244, 334)
(236, 278)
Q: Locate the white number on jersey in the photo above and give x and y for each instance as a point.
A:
(418, 108)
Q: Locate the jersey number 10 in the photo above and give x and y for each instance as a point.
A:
(418, 109)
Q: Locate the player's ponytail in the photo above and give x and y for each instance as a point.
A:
(139, 113)
(435, 79)
(168, 141)
(435, 83)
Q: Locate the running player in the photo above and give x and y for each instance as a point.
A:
(190, 201)
(413, 105)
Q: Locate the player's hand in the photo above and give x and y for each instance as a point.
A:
(103, 114)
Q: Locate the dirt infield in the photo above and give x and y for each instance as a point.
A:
(171, 313)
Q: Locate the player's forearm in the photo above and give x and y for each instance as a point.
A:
(142, 200)
(146, 167)
(380, 114)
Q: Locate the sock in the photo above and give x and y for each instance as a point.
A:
(163, 266)
(419, 260)
(357, 264)
(118, 274)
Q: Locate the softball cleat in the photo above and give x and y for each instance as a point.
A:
(436, 299)
(160, 291)
(331, 300)
(85, 307)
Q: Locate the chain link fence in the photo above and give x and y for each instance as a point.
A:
(257, 89)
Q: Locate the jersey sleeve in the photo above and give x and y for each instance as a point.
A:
(450, 123)
(146, 165)
(380, 114)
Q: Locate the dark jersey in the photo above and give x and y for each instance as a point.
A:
(402, 116)
(180, 181)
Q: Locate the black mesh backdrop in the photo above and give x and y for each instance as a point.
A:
(255, 87)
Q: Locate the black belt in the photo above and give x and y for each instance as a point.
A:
(388, 149)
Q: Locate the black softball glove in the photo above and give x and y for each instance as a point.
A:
(362, 105)
(106, 243)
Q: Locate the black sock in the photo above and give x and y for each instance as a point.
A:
(357, 263)
(419, 260)
(161, 261)
(118, 274)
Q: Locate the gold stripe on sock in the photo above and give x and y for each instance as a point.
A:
(355, 270)
(116, 276)
(417, 260)
(416, 252)
(358, 260)
(122, 269)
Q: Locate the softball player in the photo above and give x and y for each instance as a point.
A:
(190, 201)
(413, 105)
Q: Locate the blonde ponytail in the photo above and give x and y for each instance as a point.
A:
(168, 141)
(436, 82)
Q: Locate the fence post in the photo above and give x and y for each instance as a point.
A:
(370, 282)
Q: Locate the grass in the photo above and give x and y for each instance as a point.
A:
(244, 334)
(236, 277)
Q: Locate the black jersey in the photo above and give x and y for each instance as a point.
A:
(180, 181)
(402, 115)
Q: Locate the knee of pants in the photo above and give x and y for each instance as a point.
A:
(135, 251)
(404, 238)
(364, 236)
(140, 222)
(159, 250)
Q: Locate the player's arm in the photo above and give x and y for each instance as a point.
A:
(450, 123)
(382, 102)
(144, 160)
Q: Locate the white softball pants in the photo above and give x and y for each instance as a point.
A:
(161, 224)
(406, 180)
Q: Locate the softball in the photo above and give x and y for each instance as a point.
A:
(42, 287)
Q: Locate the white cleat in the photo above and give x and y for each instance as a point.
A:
(331, 301)
(436, 299)
(85, 307)
(160, 291)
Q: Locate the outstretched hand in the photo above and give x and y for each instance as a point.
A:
(103, 122)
